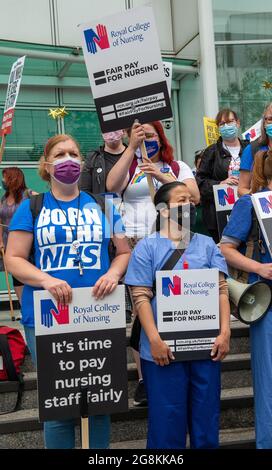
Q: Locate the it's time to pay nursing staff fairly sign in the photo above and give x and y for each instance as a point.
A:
(125, 69)
(81, 345)
(188, 311)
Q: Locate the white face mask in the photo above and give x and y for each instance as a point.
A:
(111, 137)
(65, 159)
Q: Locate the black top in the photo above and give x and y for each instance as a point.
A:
(213, 169)
(97, 166)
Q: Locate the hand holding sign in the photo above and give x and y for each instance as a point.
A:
(220, 348)
(161, 352)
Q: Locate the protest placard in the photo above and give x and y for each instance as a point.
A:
(188, 311)
(225, 197)
(123, 60)
(14, 83)
(81, 345)
(210, 130)
(262, 203)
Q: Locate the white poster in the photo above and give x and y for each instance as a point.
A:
(168, 72)
(188, 311)
(14, 83)
(253, 132)
(262, 203)
(123, 60)
(225, 197)
(83, 313)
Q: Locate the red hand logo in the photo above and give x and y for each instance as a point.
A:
(103, 41)
(230, 198)
(61, 315)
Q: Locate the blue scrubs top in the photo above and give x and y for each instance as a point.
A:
(239, 227)
(247, 159)
(151, 253)
(52, 236)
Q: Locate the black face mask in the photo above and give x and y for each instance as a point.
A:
(182, 214)
(4, 185)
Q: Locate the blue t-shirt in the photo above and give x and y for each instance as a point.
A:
(239, 227)
(247, 159)
(53, 250)
(151, 253)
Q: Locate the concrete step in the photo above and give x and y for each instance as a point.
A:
(229, 439)
(236, 406)
(240, 438)
(235, 373)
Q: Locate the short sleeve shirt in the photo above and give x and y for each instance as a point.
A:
(247, 159)
(139, 212)
(151, 253)
(54, 230)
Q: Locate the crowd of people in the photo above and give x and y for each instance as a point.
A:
(182, 396)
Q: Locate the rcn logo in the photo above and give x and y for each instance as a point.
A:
(48, 311)
(171, 286)
(226, 196)
(266, 204)
(98, 38)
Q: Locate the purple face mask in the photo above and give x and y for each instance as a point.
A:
(67, 170)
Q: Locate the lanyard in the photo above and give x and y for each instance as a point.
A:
(75, 241)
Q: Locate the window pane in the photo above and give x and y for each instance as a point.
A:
(241, 72)
(30, 130)
(242, 20)
(84, 127)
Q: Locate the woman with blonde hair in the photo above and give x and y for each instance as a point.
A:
(72, 253)
(233, 245)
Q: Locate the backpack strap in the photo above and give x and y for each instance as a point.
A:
(100, 200)
(175, 168)
(36, 203)
(172, 261)
(11, 371)
(7, 358)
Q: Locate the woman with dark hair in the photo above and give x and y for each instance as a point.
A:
(128, 176)
(258, 147)
(181, 395)
(233, 245)
(220, 164)
(13, 183)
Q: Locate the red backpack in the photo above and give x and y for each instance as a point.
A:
(12, 355)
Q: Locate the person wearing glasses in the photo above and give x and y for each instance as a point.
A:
(262, 144)
(220, 164)
(128, 176)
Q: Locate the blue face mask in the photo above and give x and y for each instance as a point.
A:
(268, 130)
(228, 131)
(152, 147)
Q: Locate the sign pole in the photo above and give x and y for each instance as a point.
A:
(8, 286)
(2, 148)
(149, 177)
(84, 418)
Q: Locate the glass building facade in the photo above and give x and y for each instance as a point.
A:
(243, 41)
